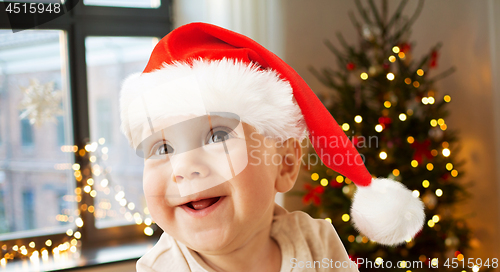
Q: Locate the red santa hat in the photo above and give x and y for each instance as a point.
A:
(230, 72)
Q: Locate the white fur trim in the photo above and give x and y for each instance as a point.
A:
(259, 97)
(387, 212)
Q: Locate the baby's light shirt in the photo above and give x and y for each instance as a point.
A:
(306, 244)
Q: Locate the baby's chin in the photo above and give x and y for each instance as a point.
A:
(217, 241)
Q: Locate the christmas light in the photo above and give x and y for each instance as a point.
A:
(77, 235)
(395, 49)
(104, 182)
(425, 101)
(416, 84)
(358, 119)
(409, 112)
(402, 264)
(430, 223)
(131, 205)
(31, 244)
(148, 231)
(101, 141)
(383, 155)
(415, 193)
(420, 72)
(439, 192)
(48, 243)
(69, 232)
(435, 218)
(345, 126)
(90, 181)
(387, 104)
(87, 189)
(314, 176)
(408, 80)
(440, 121)
(93, 193)
(92, 159)
(460, 257)
(379, 128)
(446, 152)
(402, 117)
(390, 76)
(329, 220)
(351, 238)
(447, 98)
(449, 166)
(401, 55)
(339, 179)
(414, 163)
(104, 150)
(434, 152)
(430, 166)
(364, 76)
(475, 268)
(433, 122)
(345, 217)
(392, 58)
(395, 172)
(76, 167)
(443, 127)
(410, 139)
(379, 261)
(425, 183)
(79, 222)
(454, 173)
(430, 100)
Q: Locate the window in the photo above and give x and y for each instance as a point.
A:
(78, 160)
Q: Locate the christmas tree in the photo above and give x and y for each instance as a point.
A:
(386, 102)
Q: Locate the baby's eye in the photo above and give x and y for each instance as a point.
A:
(217, 135)
(162, 148)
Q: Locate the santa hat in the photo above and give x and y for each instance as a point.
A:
(233, 73)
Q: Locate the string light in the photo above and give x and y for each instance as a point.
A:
(443, 127)
(339, 179)
(446, 152)
(435, 218)
(415, 193)
(454, 173)
(416, 84)
(408, 81)
(358, 119)
(390, 76)
(392, 58)
(401, 55)
(383, 155)
(430, 223)
(148, 231)
(323, 182)
(440, 121)
(345, 217)
(379, 128)
(351, 238)
(414, 163)
(439, 192)
(425, 100)
(425, 183)
(402, 117)
(430, 166)
(410, 139)
(430, 100)
(449, 166)
(395, 172)
(329, 220)
(420, 72)
(433, 122)
(345, 126)
(364, 76)
(395, 49)
(447, 98)
(314, 176)
(387, 104)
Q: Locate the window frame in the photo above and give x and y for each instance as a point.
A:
(81, 22)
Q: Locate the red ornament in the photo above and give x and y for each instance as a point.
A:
(351, 66)
(313, 194)
(421, 150)
(457, 253)
(385, 121)
(404, 47)
(335, 184)
(433, 60)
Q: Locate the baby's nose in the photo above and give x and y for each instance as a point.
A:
(189, 167)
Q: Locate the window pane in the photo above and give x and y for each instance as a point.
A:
(34, 127)
(124, 3)
(117, 169)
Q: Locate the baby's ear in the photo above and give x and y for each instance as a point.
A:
(291, 154)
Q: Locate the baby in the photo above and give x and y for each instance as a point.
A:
(218, 120)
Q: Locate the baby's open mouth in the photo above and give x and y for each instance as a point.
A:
(203, 203)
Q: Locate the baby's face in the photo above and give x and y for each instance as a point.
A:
(238, 201)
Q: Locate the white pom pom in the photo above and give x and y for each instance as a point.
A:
(386, 212)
